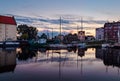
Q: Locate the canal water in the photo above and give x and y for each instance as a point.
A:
(27, 64)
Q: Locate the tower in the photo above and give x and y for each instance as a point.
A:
(81, 33)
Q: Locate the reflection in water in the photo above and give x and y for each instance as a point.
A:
(110, 57)
(81, 54)
(72, 49)
(26, 53)
(70, 64)
(7, 60)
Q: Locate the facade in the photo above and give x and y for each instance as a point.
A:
(90, 38)
(81, 35)
(100, 33)
(70, 38)
(111, 31)
(7, 28)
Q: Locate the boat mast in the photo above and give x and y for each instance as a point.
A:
(60, 28)
(81, 24)
(77, 28)
(52, 33)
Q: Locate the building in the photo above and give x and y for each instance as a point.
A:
(100, 33)
(42, 41)
(81, 35)
(90, 38)
(7, 28)
(70, 38)
(111, 31)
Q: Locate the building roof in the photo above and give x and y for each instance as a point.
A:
(7, 20)
(102, 28)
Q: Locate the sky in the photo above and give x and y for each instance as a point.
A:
(99, 11)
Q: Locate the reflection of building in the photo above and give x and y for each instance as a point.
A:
(100, 33)
(100, 53)
(110, 57)
(81, 35)
(7, 28)
(81, 52)
(7, 60)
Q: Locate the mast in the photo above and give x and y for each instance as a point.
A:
(77, 28)
(52, 33)
(81, 24)
(60, 28)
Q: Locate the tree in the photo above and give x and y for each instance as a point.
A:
(27, 32)
(24, 36)
(44, 36)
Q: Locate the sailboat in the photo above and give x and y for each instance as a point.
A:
(59, 45)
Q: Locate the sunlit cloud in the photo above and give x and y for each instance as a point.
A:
(69, 23)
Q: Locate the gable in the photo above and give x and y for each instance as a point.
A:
(7, 20)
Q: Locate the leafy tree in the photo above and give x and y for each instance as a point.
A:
(24, 36)
(44, 36)
(27, 32)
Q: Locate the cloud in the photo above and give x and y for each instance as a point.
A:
(69, 22)
(66, 20)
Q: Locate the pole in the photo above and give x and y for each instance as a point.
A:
(47, 34)
(52, 33)
(81, 24)
(77, 28)
(60, 28)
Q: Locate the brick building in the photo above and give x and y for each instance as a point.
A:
(111, 31)
(100, 33)
(7, 28)
(81, 35)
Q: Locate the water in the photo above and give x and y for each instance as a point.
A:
(26, 64)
